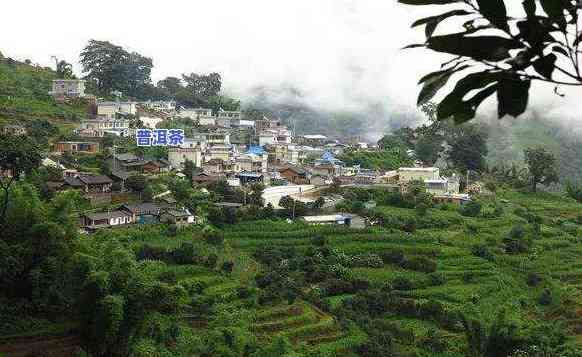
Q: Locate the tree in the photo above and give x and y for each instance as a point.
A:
(499, 52)
(392, 141)
(468, 147)
(169, 87)
(18, 155)
(65, 70)
(111, 68)
(202, 87)
(427, 148)
(542, 166)
(136, 183)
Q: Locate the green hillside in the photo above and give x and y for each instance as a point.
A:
(24, 94)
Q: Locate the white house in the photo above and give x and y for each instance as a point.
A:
(110, 109)
(150, 122)
(165, 105)
(68, 88)
(178, 156)
(195, 113)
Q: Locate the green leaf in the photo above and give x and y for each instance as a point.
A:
(454, 104)
(522, 60)
(490, 48)
(428, 2)
(530, 7)
(562, 51)
(440, 17)
(414, 45)
(495, 12)
(433, 21)
(546, 65)
(433, 82)
(512, 96)
(555, 10)
(535, 32)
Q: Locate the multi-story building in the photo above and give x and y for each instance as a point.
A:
(221, 152)
(218, 138)
(68, 88)
(105, 124)
(178, 156)
(195, 113)
(76, 146)
(15, 130)
(252, 162)
(196, 140)
(111, 109)
(165, 105)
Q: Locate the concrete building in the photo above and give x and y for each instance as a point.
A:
(76, 146)
(195, 113)
(252, 163)
(68, 88)
(407, 174)
(103, 124)
(218, 138)
(221, 152)
(14, 130)
(178, 156)
(163, 105)
(337, 219)
(111, 109)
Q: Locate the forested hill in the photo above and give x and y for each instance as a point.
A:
(369, 121)
(24, 94)
(508, 139)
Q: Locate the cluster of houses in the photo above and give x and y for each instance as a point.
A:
(222, 146)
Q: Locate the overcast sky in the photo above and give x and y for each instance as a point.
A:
(340, 53)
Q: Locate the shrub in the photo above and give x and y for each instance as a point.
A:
(211, 260)
(402, 283)
(172, 230)
(409, 225)
(319, 240)
(516, 242)
(147, 251)
(367, 260)
(498, 211)
(213, 236)
(470, 209)
(482, 251)
(422, 264)
(533, 279)
(168, 277)
(421, 209)
(227, 267)
(546, 297)
(185, 254)
(393, 256)
(472, 229)
(437, 279)
(468, 277)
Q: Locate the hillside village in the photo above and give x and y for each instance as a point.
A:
(218, 146)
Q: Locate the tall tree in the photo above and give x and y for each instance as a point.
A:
(500, 52)
(18, 155)
(169, 87)
(111, 68)
(203, 86)
(468, 147)
(542, 166)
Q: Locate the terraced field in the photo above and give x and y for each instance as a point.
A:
(463, 281)
(305, 324)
